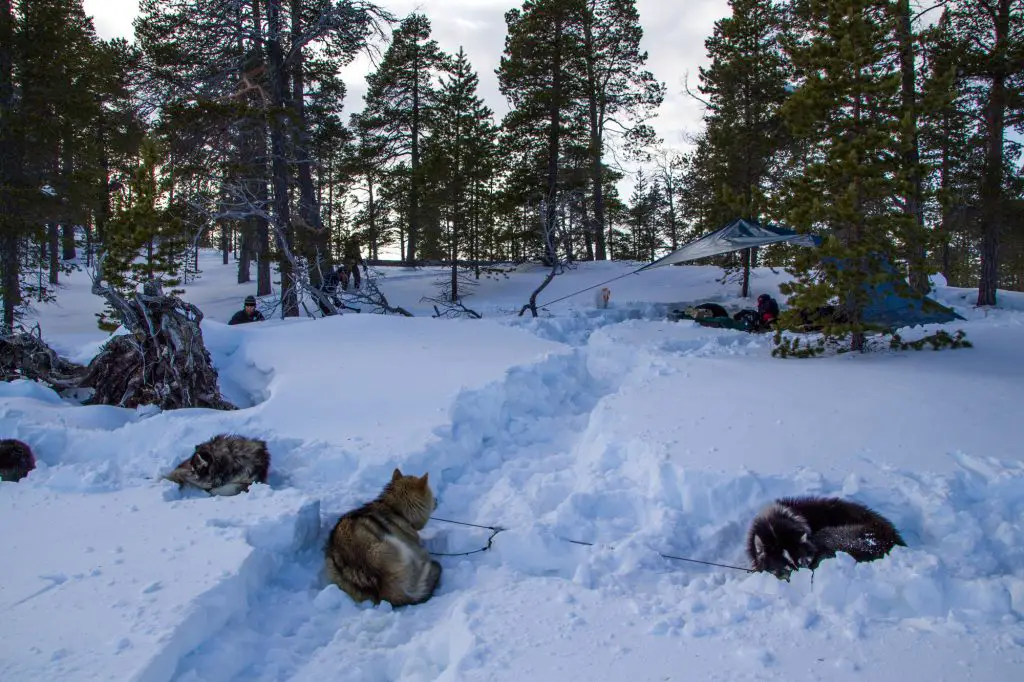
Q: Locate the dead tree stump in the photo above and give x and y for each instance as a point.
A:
(24, 355)
(162, 360)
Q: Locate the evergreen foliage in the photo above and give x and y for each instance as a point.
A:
(847, 107)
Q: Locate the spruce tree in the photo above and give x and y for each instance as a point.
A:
(847, 105)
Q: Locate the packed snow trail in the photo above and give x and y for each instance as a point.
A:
(502, 436)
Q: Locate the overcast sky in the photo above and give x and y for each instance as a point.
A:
(674, 34)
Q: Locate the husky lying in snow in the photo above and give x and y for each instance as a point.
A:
(224, 465)
(374, 552)
(16, 459)
(799, 532)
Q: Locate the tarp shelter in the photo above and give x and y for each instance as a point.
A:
(737, 235)
(887, 307)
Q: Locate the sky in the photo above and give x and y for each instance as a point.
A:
(674, 34)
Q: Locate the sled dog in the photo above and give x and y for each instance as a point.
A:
(16, 459)
(374, 552)
(799, 532)
(224, 465)
(602, 296)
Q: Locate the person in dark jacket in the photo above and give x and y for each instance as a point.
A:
(247, 314)
(351, 260)
(768, 309)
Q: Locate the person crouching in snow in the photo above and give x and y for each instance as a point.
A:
(767, 309)
(247, 314)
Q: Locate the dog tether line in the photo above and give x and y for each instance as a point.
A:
(497, 529)
(544, 305)
(494, 531)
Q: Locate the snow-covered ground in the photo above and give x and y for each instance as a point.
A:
(613, 427)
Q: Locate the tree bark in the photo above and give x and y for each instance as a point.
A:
(319, 252)
(414, 166)
(10, 172)
(554, 145)
(992, 175)
(53, 251)
(913, 200)
(279, 163)
(244, 256)
(596, 147)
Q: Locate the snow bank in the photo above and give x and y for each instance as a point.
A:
(120, 585)
(611, 427)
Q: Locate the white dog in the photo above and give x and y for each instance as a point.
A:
(601, 297)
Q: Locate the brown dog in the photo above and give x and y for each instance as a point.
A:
(375, 553)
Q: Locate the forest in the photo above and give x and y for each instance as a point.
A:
(891, 128)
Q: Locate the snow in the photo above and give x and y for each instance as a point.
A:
(615, 427)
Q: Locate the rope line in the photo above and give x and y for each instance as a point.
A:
(494, 531)
(669, 556)
(498, 529)
(544, 305)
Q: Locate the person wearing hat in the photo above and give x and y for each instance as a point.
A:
(767, 309)
(247, 314)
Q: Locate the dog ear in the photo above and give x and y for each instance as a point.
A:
(758, 546)
(423, 480)
(396, 475)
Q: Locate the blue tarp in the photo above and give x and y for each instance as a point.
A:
(888, 307)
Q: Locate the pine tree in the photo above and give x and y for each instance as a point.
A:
(991, 36)
(461, 156)
(48, 99)
(848, 106)
(746, 86)
(617, 89)
(399, 100)
(952, 143)
(541, 75)
(644, 204)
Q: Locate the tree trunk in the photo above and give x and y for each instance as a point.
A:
(279, 163)
(992, 175)
(913, 200)
(554, 145)
(747, 256)
(244, 256)
(53, 251)
(414, 166)
(11, 281)
(319, 255)
(88, 244)
(9, 172)
(596, 148)
(225, 242)
(67, 241)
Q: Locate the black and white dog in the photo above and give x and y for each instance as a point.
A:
(799, 532)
